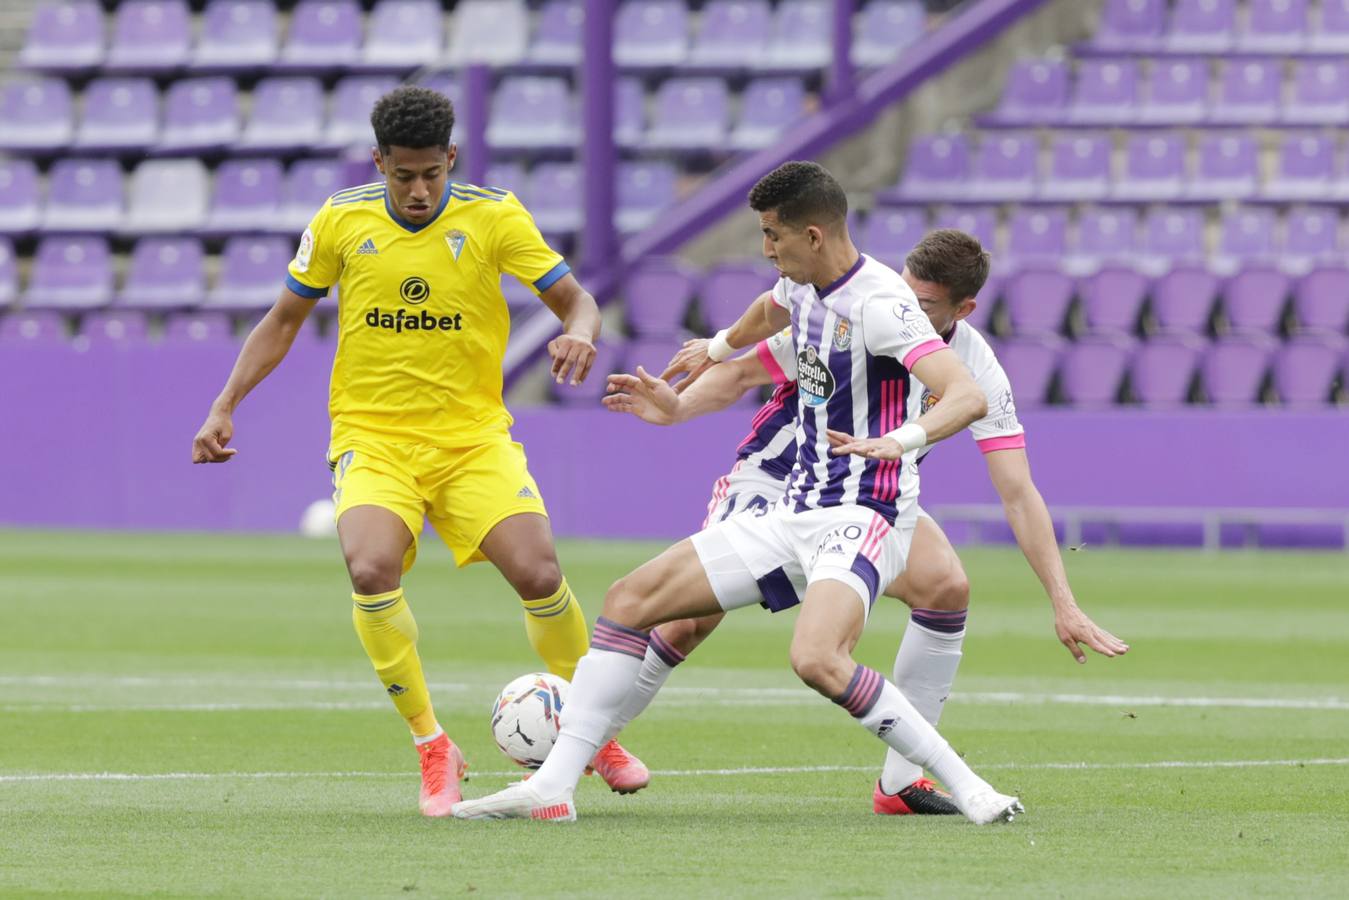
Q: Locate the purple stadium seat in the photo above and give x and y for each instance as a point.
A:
(9, 272)
(1178, 92)
(767, 107)
(1182, 299)
(1006, 167)
(1306, 367)
(1154, 168)
(1248, 93)
(1112, 299)
(41, 325)
(1320, 93)
(1306, 169)
(937, 168)
(287, 115)
(38, 114)
(114, 326)
(308, 184)
(1171, 234)
(1228, 168)
(1247, 235)
(495, 32)
(120, 115)
(1234, 369)
(1092, 368)
(801, 35)
(884, 29)
(1321, 299)
(324, 35)
(1030, 364)
(1036, 92)
(1274, 26)
(730, 32)
(980, 221)
(1311, 235)
(167, 195)
(651, 33)
(153, 36)
(608, 360)
(20, 199)
(652, 353)
(165, 273)
(531, 111)
(200, 115)
(1205, 26)
(1079, 167)
(629, 112)
(1106, 92)
(246, 198)
(556, 198)
(729, 289)
(889, 233)
(644, 189)
(252, 270)
(1104, 234)
(1254, 299)
(447, 84)
(1036, 235)
(1163, 370)
(65, 36)
(1131, 24)
(656, 296)
(237, 35)
(508, 176)
(1037, 300)
(198, 326)
(1333, 35)
(352, 100)
(70, 273)
(557, 40)
(84, 196)
(690, 114)
(402, 35)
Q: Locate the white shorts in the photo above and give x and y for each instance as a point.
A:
(771, 559)
(747, 489)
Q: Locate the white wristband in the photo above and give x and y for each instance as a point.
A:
(719, 349)
(910, 436)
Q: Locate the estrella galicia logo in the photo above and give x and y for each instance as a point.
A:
(813, 378)
(414, 290)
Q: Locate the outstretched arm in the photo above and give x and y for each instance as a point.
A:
(762, 320)
(267, 345)
(1026, 512)
(651, 399)
(573, 351)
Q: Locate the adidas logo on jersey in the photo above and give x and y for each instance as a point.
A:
(368, 248)
(526, 492)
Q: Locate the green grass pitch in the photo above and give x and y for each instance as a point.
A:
(190, 715)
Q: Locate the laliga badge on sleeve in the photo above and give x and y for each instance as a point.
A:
(456, 240)
(305, 252)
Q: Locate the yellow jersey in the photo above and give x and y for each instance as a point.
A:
(422, 322)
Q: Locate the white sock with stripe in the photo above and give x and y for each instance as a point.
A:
(925, 669)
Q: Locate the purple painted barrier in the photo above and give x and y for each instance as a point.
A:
(101, 438)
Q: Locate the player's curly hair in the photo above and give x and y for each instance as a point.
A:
(950, 258)
(802, 194)
(413, 117)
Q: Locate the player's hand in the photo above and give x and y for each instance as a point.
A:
(842, 444)
(209, 444)
(645, 396)
(1075, 627)
(692, 361)
(572, 355)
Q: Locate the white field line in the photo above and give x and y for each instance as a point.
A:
(678, 773)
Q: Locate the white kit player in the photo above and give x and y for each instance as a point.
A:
(840, 533)
(945, 271)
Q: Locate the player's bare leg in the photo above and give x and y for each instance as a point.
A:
(831, 620)
(934, 584)
(671, 586)
(375, 543)
(522, 549)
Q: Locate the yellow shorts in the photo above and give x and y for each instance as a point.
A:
(463, 492)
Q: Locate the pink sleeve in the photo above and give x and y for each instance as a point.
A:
(1009, 442)
(770, 363)
(922, 350)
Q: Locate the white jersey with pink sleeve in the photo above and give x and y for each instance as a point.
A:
(855, 341)
(999, 429)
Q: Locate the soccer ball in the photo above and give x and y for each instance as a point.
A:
(525, 717)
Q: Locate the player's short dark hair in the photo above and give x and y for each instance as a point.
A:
(951, 258)
(413, 117)
(802, 194)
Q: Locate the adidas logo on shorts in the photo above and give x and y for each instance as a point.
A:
(368, 248)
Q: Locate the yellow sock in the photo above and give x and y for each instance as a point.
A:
(388, 632)
(557, 630)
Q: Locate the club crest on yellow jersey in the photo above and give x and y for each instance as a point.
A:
(455, 239)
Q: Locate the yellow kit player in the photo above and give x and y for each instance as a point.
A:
(419, 428)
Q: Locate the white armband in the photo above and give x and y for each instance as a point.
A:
(910, 436)
(719, 349)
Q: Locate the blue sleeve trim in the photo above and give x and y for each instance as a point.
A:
(553, 276)
(303, 289)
